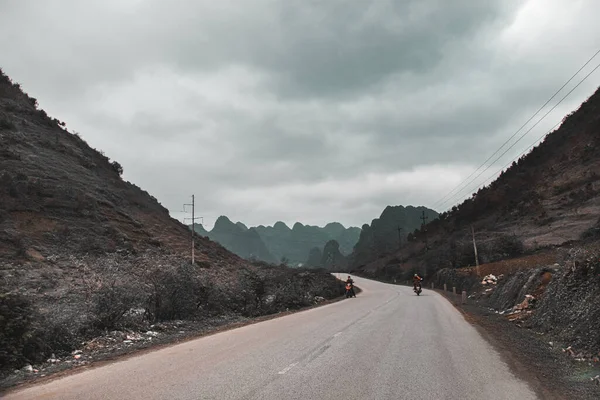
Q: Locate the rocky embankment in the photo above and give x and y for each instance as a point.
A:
(560, 301)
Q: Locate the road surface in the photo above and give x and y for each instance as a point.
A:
(385, 344)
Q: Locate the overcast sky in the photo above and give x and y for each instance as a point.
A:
(300, 110)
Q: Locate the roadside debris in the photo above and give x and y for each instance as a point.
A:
(53, 359)
(570, 351)
(525, 304)
(596, 379)
(489, 280)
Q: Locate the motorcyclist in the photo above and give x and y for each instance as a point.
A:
(416, 281)
(350, 286)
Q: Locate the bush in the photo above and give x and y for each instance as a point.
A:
(506, 246)
(16, 319)
(26, 336)
(111, 303)
(117, 167)
(176, 292)
(51, 334)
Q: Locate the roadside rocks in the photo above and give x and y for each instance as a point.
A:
(489, 280)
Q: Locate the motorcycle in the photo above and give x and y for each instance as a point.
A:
(418, 289)
(350, 291)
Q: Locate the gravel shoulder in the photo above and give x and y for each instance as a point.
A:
(550, 371)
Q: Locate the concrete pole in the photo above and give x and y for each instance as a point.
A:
(475, 249)
(454, 290)
(445, 287)
(464, 297)
(193, 230)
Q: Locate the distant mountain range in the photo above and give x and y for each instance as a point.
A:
(279, 242)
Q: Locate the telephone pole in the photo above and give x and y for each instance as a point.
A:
(475, 248)
(424, 219)
(399, 237)
(194, 218)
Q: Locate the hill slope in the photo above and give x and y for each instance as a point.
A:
(549, 197)
(83, 252)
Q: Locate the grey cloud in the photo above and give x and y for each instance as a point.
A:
(285, 109)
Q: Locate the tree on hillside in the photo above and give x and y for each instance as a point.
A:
(117, 167)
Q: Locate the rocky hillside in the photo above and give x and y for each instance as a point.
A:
(280, 241)
(83, 252)
(549, 197)
(238, 239)
(554, 292)
(384, 235)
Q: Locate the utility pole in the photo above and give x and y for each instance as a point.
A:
(194, 218)
(475, 248)
(424, 219)
(399, 237)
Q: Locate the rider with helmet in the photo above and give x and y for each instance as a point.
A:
(416, 281)
(350, 287)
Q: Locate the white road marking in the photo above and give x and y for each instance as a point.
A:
(286, 369)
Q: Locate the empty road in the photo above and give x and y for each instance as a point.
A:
(385, 344)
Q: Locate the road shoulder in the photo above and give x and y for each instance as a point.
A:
(530, 356)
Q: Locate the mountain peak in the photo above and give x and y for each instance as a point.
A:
(224, 224)
(281, 226)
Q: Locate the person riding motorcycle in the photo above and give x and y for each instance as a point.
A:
(350, 286)
(416, 281)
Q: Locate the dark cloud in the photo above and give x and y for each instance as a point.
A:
(298, 110)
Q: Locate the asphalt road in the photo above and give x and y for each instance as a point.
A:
(385, 344)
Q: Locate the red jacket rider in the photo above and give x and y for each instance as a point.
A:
(416, 280)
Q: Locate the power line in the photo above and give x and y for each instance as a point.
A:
(442, 201)
(537, 141)
(459, 193)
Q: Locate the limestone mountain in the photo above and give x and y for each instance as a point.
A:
(314, 257)
(332, 257)
(279, 242)
(296, 243)
(238, 239)
(384, 234)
